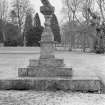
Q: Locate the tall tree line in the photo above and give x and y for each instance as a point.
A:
(76, 11)
(15, 21)
(12, 19)
(19, 25)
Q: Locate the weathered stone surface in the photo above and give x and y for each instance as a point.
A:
(46, 48)
(45, 71)
(47, 65)
(49, 62)
(22, 72)
(47, 10)
(52, 85)
(33, 62)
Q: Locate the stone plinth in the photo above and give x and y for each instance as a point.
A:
(46, 68)
(47, 65)
(47, 50)
(47, 62)
(45, 71)
(53, 84)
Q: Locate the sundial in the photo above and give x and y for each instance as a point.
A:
(47, 65)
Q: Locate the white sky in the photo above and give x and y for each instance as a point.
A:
(56, 3)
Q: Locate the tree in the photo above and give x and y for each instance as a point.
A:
(21, 8)
(3, 16)
(28, 26)
(13, 17)
(55, 28)
(28, 22)
(37, 22)
(101, 5)
(87, 29)
(1, 33)
(34, 36)
(71, 9)
(11, 31)
(11, 35)
(68, 30)
(78, 9)
(3, 9)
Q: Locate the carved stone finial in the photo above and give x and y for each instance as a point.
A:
(45, 2)
(47, 8)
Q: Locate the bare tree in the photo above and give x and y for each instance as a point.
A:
(86, 15)
(3, 15)
(21, 8)
(71, 8)
(101, 5)
(86, 4)
(3, 9)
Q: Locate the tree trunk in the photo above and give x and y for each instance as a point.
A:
(84, 39)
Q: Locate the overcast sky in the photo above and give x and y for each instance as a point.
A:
(56, 3)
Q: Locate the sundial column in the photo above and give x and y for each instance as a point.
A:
(47, 39)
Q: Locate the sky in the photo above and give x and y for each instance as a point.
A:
(56, 3)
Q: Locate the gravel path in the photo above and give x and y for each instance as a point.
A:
(50, 98)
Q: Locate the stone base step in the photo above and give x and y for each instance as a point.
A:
(43, 71)
(44, 84)
(50, 62)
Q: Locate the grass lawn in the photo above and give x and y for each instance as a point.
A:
(49, 98)
(85, 66)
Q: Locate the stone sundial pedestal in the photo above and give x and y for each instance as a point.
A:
(48, 72)
(47, 65)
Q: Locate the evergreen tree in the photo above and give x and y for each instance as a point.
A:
(34, 34)
(55, 28)
(28, 22)
(1, 33)
(37, 22)
(28, 26)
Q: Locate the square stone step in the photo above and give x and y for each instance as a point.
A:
(43, 84)
(49, 62)
(45, 71)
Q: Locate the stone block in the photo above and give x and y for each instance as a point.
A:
(22, 72)
(47, 62)
(45, 71)
(64, 72)
(52, 84)
(5, 85)
(33, 62)
(20, 85)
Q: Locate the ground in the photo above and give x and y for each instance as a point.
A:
(50, 98)
(85, 66)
